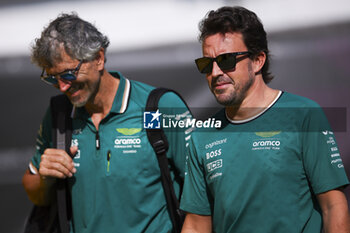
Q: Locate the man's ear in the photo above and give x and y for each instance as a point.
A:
(101, 59)
(258, 62)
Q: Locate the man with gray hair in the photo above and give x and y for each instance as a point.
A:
(114, 178)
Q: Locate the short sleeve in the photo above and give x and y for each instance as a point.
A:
(43, 139)
(194, 197)
(173, 109)
(322, 160)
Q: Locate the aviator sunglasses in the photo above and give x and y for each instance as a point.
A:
(68, 75)
(226, 61)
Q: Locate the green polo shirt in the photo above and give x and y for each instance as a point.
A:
(117, 185)
(261, 175)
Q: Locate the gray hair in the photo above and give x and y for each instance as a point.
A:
(80, 40)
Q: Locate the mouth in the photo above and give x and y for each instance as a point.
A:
(221, 82)
(221, 85)
(74, 90)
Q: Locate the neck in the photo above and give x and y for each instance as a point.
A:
(102, 102)
(257, 99)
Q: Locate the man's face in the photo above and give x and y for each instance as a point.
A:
(84, 88)
(228, 86)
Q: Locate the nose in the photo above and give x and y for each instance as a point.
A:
(64, 85)
(216, 70)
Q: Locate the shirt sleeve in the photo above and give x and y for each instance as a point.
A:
(195, 193)
(173, 109)
(322, 160)
(43, 139)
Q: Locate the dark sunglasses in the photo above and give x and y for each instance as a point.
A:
(226, 61)
(69, 75)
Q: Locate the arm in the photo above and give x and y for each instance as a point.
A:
(39, 190)
(171, 105)
(195, 223)
(54, 164)
(335, 213)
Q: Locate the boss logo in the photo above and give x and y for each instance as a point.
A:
(213, 153)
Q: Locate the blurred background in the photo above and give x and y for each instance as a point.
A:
(156, 42)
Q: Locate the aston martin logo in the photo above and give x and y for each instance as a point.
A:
(267, 134)
(128, 131)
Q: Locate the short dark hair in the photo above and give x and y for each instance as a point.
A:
(80, 39)
(238, 19)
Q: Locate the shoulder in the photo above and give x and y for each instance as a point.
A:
(140, 89)
(291, 100)
(171, 99)
(140, 92)
(308, 113)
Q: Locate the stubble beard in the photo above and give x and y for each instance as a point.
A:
(78, 103)
(82, 99)
(235, 97)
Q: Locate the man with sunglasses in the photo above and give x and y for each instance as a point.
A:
(274, 165)
(114, 177)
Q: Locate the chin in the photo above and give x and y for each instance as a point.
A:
(223, 101)
(221, 98)
(227, 100)
(78, 102)
(79, 105)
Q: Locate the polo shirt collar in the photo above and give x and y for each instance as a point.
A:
(121, 98)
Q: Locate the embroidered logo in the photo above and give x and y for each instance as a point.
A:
(128, 131)
(267, 134)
